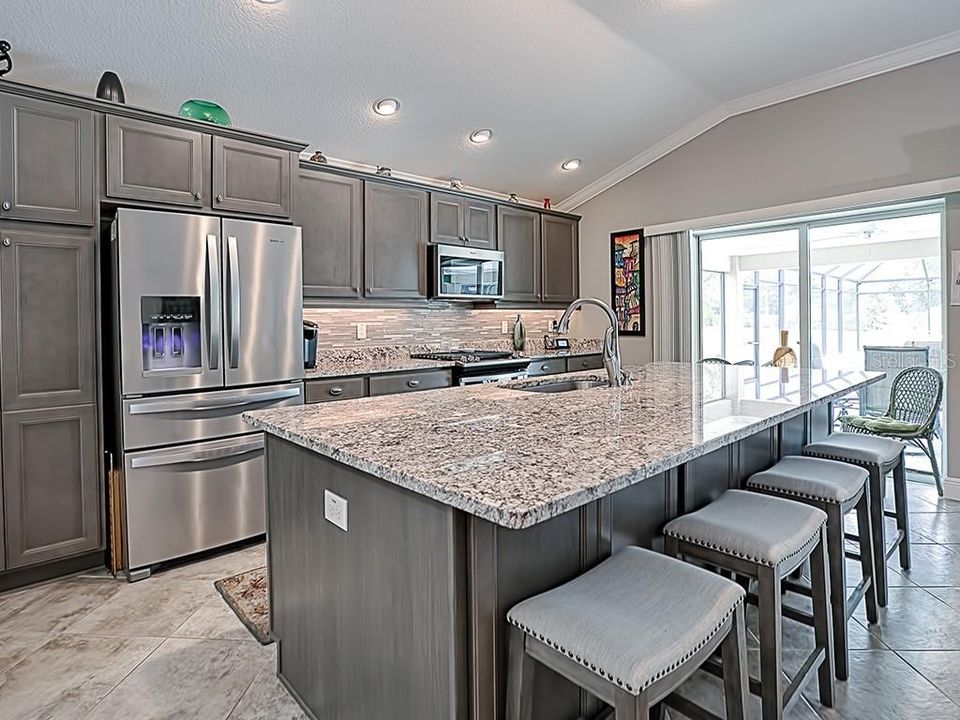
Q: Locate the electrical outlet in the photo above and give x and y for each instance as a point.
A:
(505, 327)
(361, 331)
(551, 325)
(335, 509)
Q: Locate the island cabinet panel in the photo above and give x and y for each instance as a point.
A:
(251, 178)
(368, 621)
(395, 238)
(518, 233)
(51, 486)
(156, 163)
(560, 259)
(329, 208)
(47, 150)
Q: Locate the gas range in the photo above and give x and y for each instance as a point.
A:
(473, 367)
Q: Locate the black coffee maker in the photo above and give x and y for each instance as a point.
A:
(310, 332)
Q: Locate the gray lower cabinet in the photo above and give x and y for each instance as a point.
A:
(584, 362)
(47, 154)
(456, 220)
(51, 485)
(48, 316)
(157, 163)
(518, 233)
(410, 382)
(251, 178)
(318, 391)
(329, 208)
(553, 366)
(395, 237)
(560, 259)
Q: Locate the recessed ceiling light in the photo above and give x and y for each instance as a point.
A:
(571, 164)
(481, 136)
(387, 106)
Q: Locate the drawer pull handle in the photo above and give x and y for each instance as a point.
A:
(413, 383)
(336, 391)
(544, 367)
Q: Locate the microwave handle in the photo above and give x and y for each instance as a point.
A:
(213, 301)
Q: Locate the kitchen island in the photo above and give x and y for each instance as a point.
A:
(446, 508)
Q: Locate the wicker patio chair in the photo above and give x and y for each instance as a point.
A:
(912, 415)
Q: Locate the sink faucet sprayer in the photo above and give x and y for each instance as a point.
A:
(611, 338)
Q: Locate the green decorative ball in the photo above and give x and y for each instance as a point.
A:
(205, 110)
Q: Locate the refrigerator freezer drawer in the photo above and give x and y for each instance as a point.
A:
(168, 420)
(189, 498)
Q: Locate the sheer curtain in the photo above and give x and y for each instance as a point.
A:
(671, 295)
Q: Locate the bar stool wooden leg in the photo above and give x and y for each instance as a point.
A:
(838, 588)
(902, 514)
(631, 707)
(736, 688)
(879, 535)
(820, 583)
(865, 531)
(771, 642)
(519, 678)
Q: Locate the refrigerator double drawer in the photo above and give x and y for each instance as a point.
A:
(189, 498)
(171, 419)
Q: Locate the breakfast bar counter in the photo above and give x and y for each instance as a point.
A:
(402, 528)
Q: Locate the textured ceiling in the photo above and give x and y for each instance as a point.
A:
(603, 80)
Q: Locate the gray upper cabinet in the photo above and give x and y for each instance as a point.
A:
(251, 178)
(156, 163)
(456, 220)
(329, 208)
(560, 259)
(47, 159)
(519, 236)
(395, 237)
(51, 485)
(48, 317)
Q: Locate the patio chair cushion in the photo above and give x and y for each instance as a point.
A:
(881, 425)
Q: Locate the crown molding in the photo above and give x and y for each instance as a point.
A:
(861, 70)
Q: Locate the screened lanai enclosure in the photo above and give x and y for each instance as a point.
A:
(856, 291)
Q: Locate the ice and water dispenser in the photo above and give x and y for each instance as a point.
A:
(171, 334)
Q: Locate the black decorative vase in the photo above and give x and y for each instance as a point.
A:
(110, 88)
(6, 62)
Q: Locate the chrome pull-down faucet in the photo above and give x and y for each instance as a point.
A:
(611, 338)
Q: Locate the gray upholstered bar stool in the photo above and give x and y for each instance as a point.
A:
(629, 632)
(836, 488)
(878, 456)
(765, 538)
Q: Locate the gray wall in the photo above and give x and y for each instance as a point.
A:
(891, 130)
(895, 129)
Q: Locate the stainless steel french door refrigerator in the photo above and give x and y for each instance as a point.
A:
(207, 325)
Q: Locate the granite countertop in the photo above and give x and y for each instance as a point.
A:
(519, 458)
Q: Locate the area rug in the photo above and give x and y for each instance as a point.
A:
(246, 594)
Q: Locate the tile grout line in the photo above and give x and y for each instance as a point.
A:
(920, 672)
(132, 670)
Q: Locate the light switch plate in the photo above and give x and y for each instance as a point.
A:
(335, 509)
(361, 331)
(505, 327)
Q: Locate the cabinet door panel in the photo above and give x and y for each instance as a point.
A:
(51, 486)
(251, 178)
(48, 318)
(395, 236)
(519, 237)
(156, 163)
(480, 224)
(329, 208)
(446, 219)
(47, 157)
(561, 259)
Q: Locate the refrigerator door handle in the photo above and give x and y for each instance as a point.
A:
(152, 408)
(199, 456)
(213, 301)
(233, 263)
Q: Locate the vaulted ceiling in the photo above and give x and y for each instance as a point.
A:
(607, 81)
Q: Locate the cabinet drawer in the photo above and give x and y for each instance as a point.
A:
(587, 362)
(409, 382)
(328, 390)
(547, 367)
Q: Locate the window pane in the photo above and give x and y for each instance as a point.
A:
(711, 312)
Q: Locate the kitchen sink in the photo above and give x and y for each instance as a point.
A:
(563, 386)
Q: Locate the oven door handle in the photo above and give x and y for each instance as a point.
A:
(233, 269)
(199, 456)
(153, 408)
(213, 301)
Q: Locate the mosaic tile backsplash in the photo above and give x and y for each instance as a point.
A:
(438, 325)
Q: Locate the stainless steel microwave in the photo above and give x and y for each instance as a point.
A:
(464, 273)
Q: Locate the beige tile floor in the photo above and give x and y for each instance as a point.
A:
(169, 647)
